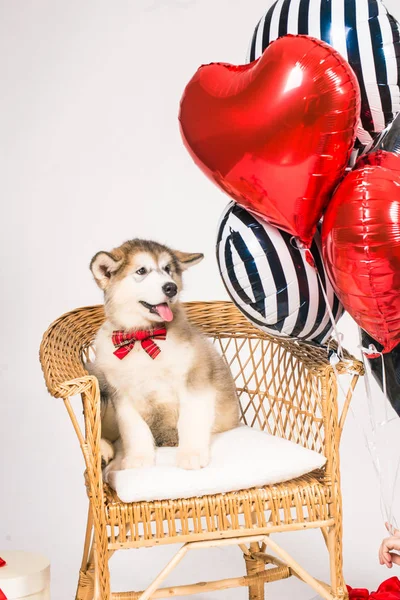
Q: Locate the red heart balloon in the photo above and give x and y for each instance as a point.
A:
(276, 135)
(361, 246)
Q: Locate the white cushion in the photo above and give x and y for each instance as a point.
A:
(241, 458)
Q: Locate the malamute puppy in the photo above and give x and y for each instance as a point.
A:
(162, 381)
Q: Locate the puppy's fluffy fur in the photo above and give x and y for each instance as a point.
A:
(183, 395)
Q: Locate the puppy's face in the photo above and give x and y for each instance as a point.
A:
(149, 284)
(142, 282)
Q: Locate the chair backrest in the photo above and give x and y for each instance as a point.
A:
(277, 380)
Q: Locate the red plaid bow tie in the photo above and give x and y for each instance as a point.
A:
(125, 341)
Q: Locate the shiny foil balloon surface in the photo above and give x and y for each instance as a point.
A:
(364, 33)
(271, 281)
(275, 135)
(361, 243)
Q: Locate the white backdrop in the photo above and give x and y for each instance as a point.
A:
(91, 155)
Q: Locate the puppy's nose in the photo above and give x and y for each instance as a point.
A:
(170, 289)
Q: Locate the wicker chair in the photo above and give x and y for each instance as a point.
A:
(286, 388)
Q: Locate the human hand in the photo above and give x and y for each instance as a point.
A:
(388, 551)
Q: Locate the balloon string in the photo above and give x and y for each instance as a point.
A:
(367, 385)
(391, 518)
(384, 388)
(371, 446)
(367, 352)
(387, 420)
(387, 504)
(338, 336)
(310, 260)
(334, 359)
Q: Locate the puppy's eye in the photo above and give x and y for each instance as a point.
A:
(141, 271)
(167, 269)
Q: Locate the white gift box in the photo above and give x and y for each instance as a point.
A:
(24, 576)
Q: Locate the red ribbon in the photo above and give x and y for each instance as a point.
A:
(125, 341)
(358, 594)
(2, 564)
(388, 590)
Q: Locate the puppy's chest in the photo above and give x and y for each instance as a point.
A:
(141, 375)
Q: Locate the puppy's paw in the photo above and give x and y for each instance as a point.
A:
(137, 461)
(193, 459)
(114, 465)
(106, 451)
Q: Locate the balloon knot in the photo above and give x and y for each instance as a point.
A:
(333, 358)
(371, 352)
(310, 259)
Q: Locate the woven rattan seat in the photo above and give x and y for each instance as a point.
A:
(199, 517)
(286, 388)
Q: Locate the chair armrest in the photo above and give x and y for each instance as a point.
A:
(316, 359)
(62, 348)
(76, 386)
(88, 388)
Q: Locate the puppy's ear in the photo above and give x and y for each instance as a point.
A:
(188, 259)
(103, 265)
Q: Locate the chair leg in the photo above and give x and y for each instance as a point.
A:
(102, 589)
(335, 547)
(254, 566)
(85, 589)
(94, 578)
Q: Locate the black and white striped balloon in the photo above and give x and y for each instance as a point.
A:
(270, 280)
(364, 33)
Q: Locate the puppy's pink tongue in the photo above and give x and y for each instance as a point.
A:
(165, 312)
